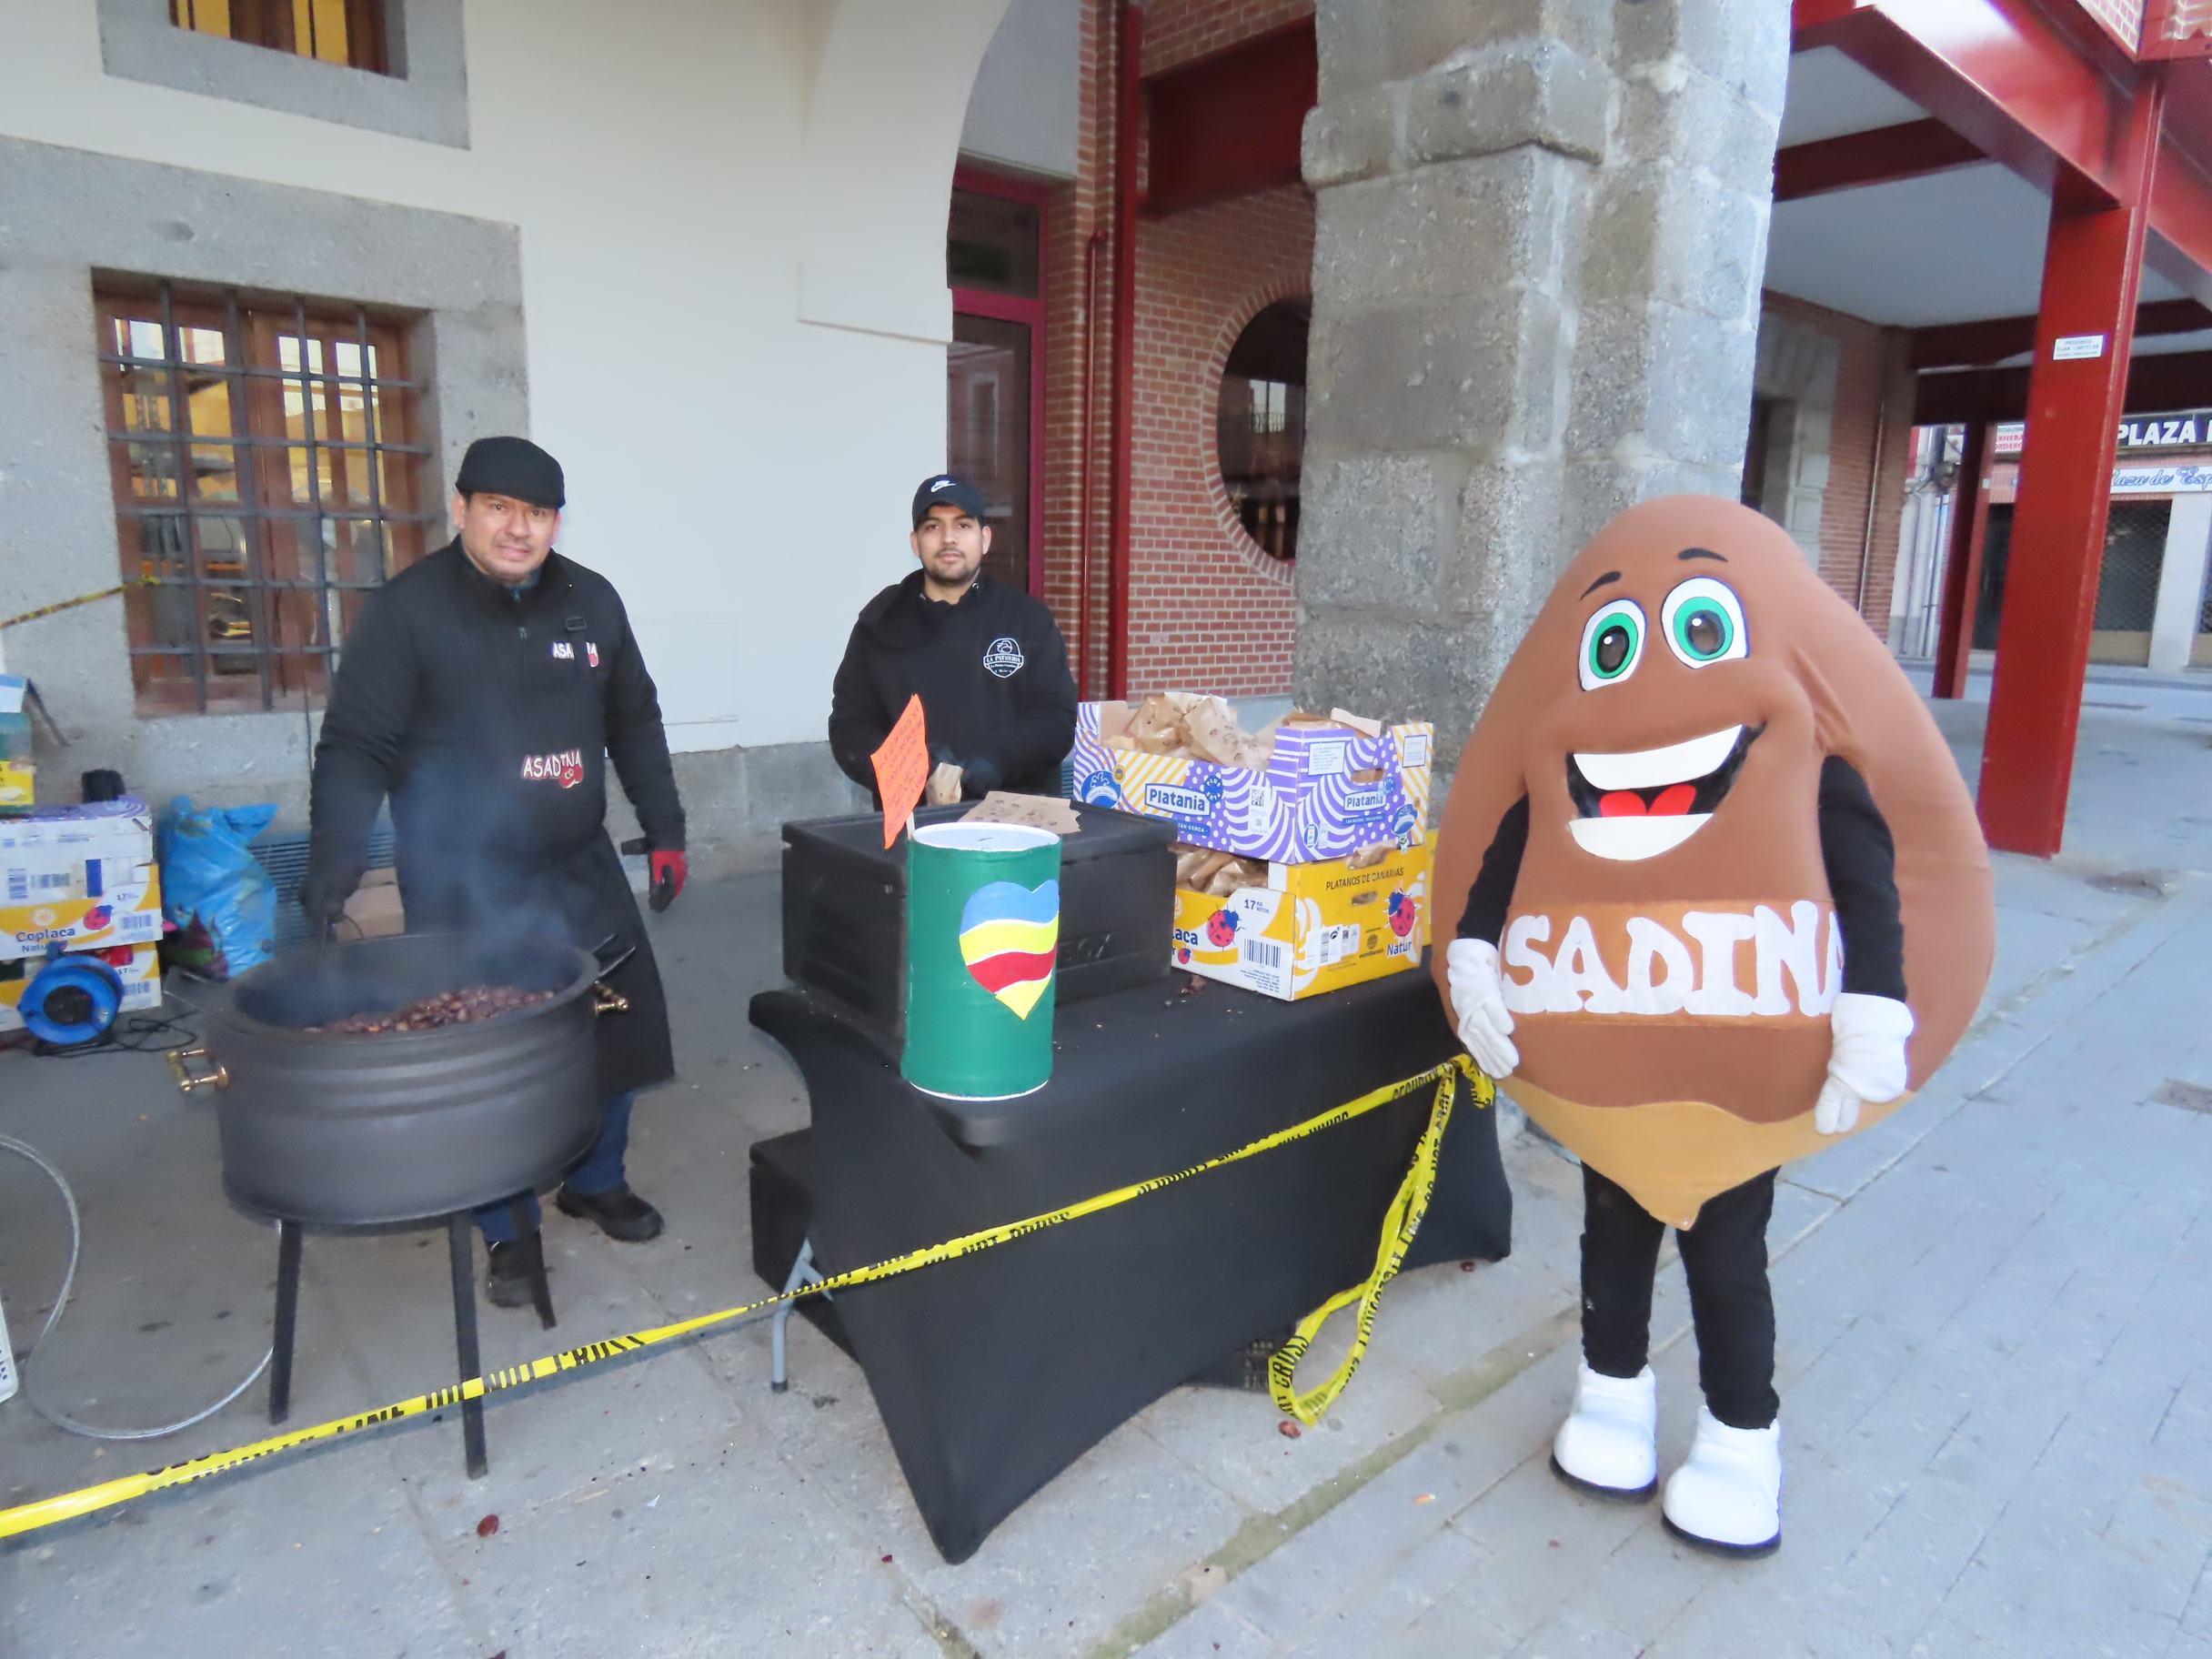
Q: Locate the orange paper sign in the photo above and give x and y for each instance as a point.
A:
(902, 770)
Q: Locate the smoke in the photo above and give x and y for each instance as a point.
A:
(522, 856)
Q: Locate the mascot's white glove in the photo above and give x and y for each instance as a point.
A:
(1866, 1062)
(1478, 997)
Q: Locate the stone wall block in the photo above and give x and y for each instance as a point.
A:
(1682, 237)
(1669, 381)
(1525, 92)
(1700, 412)
(1510, 554)
(1398, 663)
(1354, 37)
(1460, 374)
(1378, 527)
(1409, 37)
(1743, 43)
(1692, 120)
(1599, 488)
(1467, 227)
(1354, 137)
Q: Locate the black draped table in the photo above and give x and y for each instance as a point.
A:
(995, 1371)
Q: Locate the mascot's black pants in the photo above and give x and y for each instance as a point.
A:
(1731, 1303)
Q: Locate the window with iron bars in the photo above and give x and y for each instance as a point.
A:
(347, 32)
(267, 480)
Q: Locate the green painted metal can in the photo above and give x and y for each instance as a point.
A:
(982, 927)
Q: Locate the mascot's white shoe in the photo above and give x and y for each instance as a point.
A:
(1728, 1496)
(1609, 1447)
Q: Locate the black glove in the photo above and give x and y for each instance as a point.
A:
(979, 777)
(322, 896)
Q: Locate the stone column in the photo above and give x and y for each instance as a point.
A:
(1541, 227)
(2181, 583)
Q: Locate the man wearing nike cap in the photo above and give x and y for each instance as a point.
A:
(986, 659)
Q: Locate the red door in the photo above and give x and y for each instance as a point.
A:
(994, 380)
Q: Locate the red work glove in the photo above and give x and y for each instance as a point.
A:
(669, 869)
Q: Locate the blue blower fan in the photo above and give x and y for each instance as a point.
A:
(71, 1001)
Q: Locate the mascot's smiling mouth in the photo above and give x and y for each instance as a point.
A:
(1640, 803)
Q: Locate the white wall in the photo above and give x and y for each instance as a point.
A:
(1023, 111)
(731, 217)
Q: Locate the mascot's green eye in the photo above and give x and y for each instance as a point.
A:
(1612, 640)
(1704, 631)
(1704, 622)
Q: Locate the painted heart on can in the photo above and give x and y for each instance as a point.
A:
(1009, 935)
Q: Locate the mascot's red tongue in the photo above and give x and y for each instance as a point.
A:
(1674, 801)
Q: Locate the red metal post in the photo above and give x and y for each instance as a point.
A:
(1129, 62)
(2092, 273)
(1882, 156)
(1086, 430)
(1962, 569)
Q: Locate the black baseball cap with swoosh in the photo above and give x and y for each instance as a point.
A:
(943, 490)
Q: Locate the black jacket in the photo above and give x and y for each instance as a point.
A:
(487, 717)
(991, 672)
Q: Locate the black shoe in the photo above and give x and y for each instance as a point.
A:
(508, 1279)
(619, 1213)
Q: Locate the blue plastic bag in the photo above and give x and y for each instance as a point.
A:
(220, 904)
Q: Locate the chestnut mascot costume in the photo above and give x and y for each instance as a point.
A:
(1727, 901)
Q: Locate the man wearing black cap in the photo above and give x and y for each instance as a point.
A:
(987, 660)
(483, 690)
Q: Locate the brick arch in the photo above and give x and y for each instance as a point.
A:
(1217, 365)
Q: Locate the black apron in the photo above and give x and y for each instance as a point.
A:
(500, 824)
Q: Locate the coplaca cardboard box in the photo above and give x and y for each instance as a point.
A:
(83, 877)
(1312, 929)
(1328, 789)
(139, 967)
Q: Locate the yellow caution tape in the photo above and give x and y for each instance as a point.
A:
(82, 598)
(1400, 1220)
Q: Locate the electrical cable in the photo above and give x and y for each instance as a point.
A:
(8, 1143)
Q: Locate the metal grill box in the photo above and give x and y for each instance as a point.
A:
(844, 908)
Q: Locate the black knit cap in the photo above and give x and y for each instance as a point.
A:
(512, 466)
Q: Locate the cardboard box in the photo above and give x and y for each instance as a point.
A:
(82, 877)
(1328, 790)
(18, 775)
(140, 969)
(374, 911)
(1313, 927)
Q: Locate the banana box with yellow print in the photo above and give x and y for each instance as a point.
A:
(1312, 929)
(18, 776)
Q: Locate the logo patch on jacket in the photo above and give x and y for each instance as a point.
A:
(564, 650)
(565, 767)
(1004, 658)
(591, 653)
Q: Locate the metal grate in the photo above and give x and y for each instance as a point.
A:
(2135, 549)
(264, 482)
(350, 32)
(285, 857)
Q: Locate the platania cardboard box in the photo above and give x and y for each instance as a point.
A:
(1313, 927)
(1328, 789)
